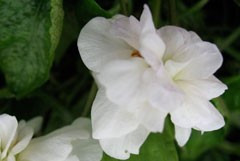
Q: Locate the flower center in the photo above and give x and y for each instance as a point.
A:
(136, 53)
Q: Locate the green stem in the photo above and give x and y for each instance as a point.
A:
(231, 80)
(231, 148)
(156, 8)
(90, 99)
(230, 39)
(222, 107)
(56, 106)
(124, 7)
(173, 12)
(233, 52)
(198, 6)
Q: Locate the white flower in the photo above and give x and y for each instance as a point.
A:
(143, 74)
(14, 136)
(70, 143)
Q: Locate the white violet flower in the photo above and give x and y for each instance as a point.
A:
(70, 143)
(144, 74)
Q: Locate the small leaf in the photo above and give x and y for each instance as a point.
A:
(30, 31)
(158, 147)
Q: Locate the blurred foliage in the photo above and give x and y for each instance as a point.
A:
(36, 78)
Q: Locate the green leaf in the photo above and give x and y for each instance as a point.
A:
(30, 31)
(88, 9)
(200, 143)
(158, 147)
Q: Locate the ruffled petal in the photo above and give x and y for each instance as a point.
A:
(35, 123)
(175, 37)
(197, 113)
(8, 126)
(202, 58)
(151, 45)
(122, 147)
(58, 144)
(97, 46)
(152, 118)
(110, 120)
(161, 91)
(207, 88)
(24, 136)
(122, 80)
(182, 135)
(126, 28)
(87, 150)
(72, 158)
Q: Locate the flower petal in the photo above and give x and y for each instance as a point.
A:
(203, 59)
(122, 147)
(87, 150)
(182, 135)
(126, 28)
(97, 46)
(24, 136)
(110, 120)
(35, 123)
(161, 91)
(58, 144)
(151, 45)
(122, 80)
(47, 149)
(72, 158)
(197, 113)
(207, 88)
(175, 37)
(152, 118)
(8, 126)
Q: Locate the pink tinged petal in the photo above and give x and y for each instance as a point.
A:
(207, 88)
(122, 80)
(110, 120)
(122, 147)
(8, 126)
(126, 28)
(152, 118)
(97, 46)
(87, 150)
(197, 113)
(162, 93)
(203, 60)
(151, 45)
(182, 135)
(175, 37)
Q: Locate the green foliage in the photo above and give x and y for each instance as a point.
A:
(87, 9)
(200, 143)
(46, 73)
(29, 35)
